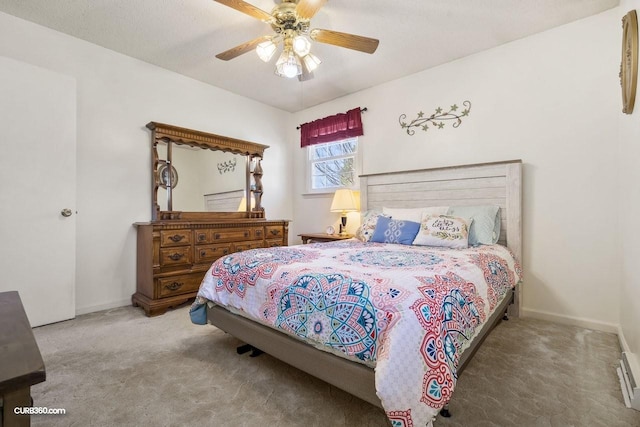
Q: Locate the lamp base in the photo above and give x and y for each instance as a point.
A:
(343, 226)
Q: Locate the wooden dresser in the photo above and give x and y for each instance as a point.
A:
(173, 256)
(176, 248)
(21, 364)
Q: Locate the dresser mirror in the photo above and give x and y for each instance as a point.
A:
(198, 175)
(202, 180)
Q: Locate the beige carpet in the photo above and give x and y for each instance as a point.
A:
(120, 368)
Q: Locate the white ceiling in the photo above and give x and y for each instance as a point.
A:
(185, 35)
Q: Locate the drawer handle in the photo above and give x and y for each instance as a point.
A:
(246, 234)
(202, 237)
(226, 251)
(258, 233)
(216, 236)
(275, 232)
(203, 253)
(176, 238)
(176, 256)
(173, 286)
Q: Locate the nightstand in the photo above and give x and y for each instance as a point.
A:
(322, 237)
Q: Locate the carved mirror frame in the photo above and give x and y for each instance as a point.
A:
(169, 134)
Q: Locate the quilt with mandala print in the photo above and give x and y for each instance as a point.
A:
(407, 310)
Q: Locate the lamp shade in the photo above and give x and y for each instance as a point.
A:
(311, 62)
(301, 46)
(344, 201)
(356, 195)
(265, 50)
(288, 64)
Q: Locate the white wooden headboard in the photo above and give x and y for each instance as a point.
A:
(498, 183)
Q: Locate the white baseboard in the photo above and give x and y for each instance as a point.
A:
(629, 373)
(623, 342)
(628, 385)
(571, 320)
(93, 308)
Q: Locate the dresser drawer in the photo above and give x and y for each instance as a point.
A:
(230, 234)
(274, 231)
(202, 236)
(258, 233)
(272, 243)
(175, 256)
(176, 285)
(245, 246)
(175, 237)
(210, 253)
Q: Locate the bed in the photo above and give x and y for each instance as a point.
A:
(398, 323)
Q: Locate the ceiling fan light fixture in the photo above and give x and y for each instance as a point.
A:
(291, 24)
(265, 50)
(288, 65)
(311, 62)
(301, 45)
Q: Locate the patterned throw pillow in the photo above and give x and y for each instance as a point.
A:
(443, 230)
(368, 225)
(391, 231)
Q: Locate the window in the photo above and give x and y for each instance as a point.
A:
(333, 165)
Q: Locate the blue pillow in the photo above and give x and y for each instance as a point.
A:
(395, 231)
(485, 228)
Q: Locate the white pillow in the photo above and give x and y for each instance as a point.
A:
(485, 228)
(444, 231)
(413, 214)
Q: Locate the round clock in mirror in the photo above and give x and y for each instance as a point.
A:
(163, 176)
(629, 64)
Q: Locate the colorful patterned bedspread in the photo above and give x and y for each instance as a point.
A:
(410, 310)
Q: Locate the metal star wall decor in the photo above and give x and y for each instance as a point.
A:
(437, 119)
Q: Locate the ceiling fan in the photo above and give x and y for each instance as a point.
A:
(290, 20)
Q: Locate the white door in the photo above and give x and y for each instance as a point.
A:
(37, 181)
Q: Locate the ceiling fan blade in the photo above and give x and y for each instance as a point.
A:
(307, 8)
(243, 48)
(350, 41)
(247, 8)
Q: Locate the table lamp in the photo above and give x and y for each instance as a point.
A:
(343, 202)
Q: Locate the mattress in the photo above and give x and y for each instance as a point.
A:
(407, 311)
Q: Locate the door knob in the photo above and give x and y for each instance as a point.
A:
(66, 212)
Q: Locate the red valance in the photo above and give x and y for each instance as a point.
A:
(332, 128)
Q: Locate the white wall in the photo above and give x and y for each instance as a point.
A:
(551, 100)
(629, 214)
(117, 97)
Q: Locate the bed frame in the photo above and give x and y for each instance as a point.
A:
(497, 183)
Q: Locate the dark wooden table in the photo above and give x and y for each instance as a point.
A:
(21, 364)
(323, 237)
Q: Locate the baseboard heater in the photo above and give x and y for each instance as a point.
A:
(630, 389)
